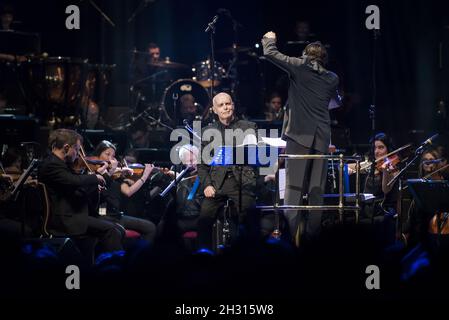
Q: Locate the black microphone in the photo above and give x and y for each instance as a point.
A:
(211, 25)
(426, 143)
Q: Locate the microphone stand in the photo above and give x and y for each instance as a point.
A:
(372, 107)
(105, 17)
(142, 5)
(235, 56)
(211, 29)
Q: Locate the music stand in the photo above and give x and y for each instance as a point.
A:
(17, 187)
(240, 156)
(430, 196)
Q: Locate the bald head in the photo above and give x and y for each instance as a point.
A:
(223, 107)
(220, 96)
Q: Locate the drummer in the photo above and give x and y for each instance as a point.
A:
(154, 51)
(6, 20)
(6, 17)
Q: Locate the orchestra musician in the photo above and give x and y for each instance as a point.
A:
(69, 194)
(377, 183)
(119, 186)
(383, 211)
(416, 229)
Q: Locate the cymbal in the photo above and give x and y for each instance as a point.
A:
(232, 49)
(168, 64)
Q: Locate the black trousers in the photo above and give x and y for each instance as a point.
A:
(304, 176)
(109, 234)
(146, 228)
(13, 228)
(210, 207)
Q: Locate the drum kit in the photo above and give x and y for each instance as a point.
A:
(69, 92)
(171, 92)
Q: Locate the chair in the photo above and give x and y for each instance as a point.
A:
(58, 243)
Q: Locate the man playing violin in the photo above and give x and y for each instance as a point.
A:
(69, 194)
(120, 186)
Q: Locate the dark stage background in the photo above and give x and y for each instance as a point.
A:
(409, 79)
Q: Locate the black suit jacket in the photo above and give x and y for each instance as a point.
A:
(307, 119)
(215, 175)
(68, 194)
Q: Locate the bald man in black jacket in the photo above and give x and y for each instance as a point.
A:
(306, 127)
(222, 182)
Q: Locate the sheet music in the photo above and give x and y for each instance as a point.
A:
(281, 183)
(274, 142)
(249, 139)
(333, 104)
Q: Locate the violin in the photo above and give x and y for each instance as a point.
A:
(138, 170)
(439, 223)
(391, 159)
(91, 164)
(436, 174)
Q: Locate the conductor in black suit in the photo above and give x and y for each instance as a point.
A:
(306, 128)
(69, 193)
(222, 182)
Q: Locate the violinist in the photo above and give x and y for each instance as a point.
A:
(430, 165)
(384, 172)
(384, 209)
(417, 227)
(69, 193)
(122, 186)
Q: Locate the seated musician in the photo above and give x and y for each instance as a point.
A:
(377, 184)
(12, 163)
(188, 197)
(385, 206)
(417, 225)
(69, 194)
(11, 223)
(119, 186)
(6, 20)
(274, 108)
(12, 212)
(222, 182)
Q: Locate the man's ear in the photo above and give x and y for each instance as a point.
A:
(66, 148)
(213, 109)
